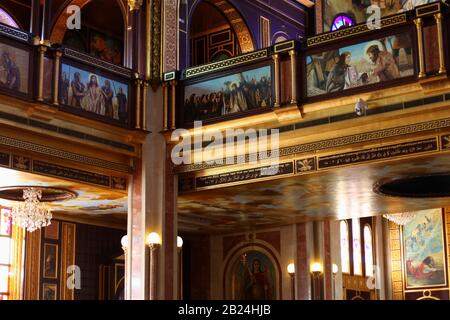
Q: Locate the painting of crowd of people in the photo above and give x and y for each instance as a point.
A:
(240, 92)
(361, 64)
(14, 65)
(357, 9)
(92, 93)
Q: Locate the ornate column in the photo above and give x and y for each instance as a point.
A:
(293, 55)
(438, 17)
(166, 106)
(56, 67)
(173, 105)
(276, 60)
(40, 88)
(419, 24)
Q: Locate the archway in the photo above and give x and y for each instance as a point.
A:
(213, 18)
(101, 35)
(8, 19)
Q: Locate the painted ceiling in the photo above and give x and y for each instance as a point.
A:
(91, 201)
(333, 194)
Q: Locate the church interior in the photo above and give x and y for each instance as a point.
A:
(138, 140)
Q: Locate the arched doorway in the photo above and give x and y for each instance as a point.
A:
(102, 35)
(217, 31)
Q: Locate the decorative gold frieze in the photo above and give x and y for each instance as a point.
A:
(356, 30)
(228, 63)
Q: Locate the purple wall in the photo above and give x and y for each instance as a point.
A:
(287, 17)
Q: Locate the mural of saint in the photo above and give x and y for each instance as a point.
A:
(253, 277)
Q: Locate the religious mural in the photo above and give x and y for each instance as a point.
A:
(14, 65)
(356, 10)
(366, 63)
(96, 43)
(253, 277)
(95, 94)
(240, 92)
(424, 250)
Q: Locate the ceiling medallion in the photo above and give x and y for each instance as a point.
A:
(30, 211)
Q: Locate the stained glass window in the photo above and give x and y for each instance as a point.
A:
(368, 251)
(357, 255)
(5, 18)
(341, 21)
(345, 248)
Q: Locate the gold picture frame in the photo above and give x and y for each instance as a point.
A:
(49, 291)
(50, 263)
(418, 274)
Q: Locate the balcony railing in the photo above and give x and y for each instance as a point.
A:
(71, 81)
(405, 48)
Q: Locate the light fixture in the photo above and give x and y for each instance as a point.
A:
(316, 268)
(335, 268)
(154, 239)
(124, 241)
(31, 214)
(400, 219)
(291, 269)
(179, 242)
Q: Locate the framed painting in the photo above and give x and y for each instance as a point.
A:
(14, 69)
(94, 94)
(105, 47)
(424, 250)
(368, 63)
(253, 277)
(245, 91)
(49, 291)
(50, 261)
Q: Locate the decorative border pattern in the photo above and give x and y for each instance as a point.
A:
(14, 33)
(387, 152)
(306, 165)
(21, 163)
(351, 31)
(244, 175)
(85, 58)
(338, 142)
(245, 58)
(15, 143)
(49, 169)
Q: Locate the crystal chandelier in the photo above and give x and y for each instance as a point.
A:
(400, 218)
(31, 214)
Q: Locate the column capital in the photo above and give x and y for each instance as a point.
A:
(135, 4)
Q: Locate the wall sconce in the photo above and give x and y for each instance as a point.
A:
(124, 242)
(335, 270)
(316, 270)
(291, 271)
(154, 243)
(180, 267)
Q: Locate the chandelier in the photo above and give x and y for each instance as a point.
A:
(400, 218)
(31, 214)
